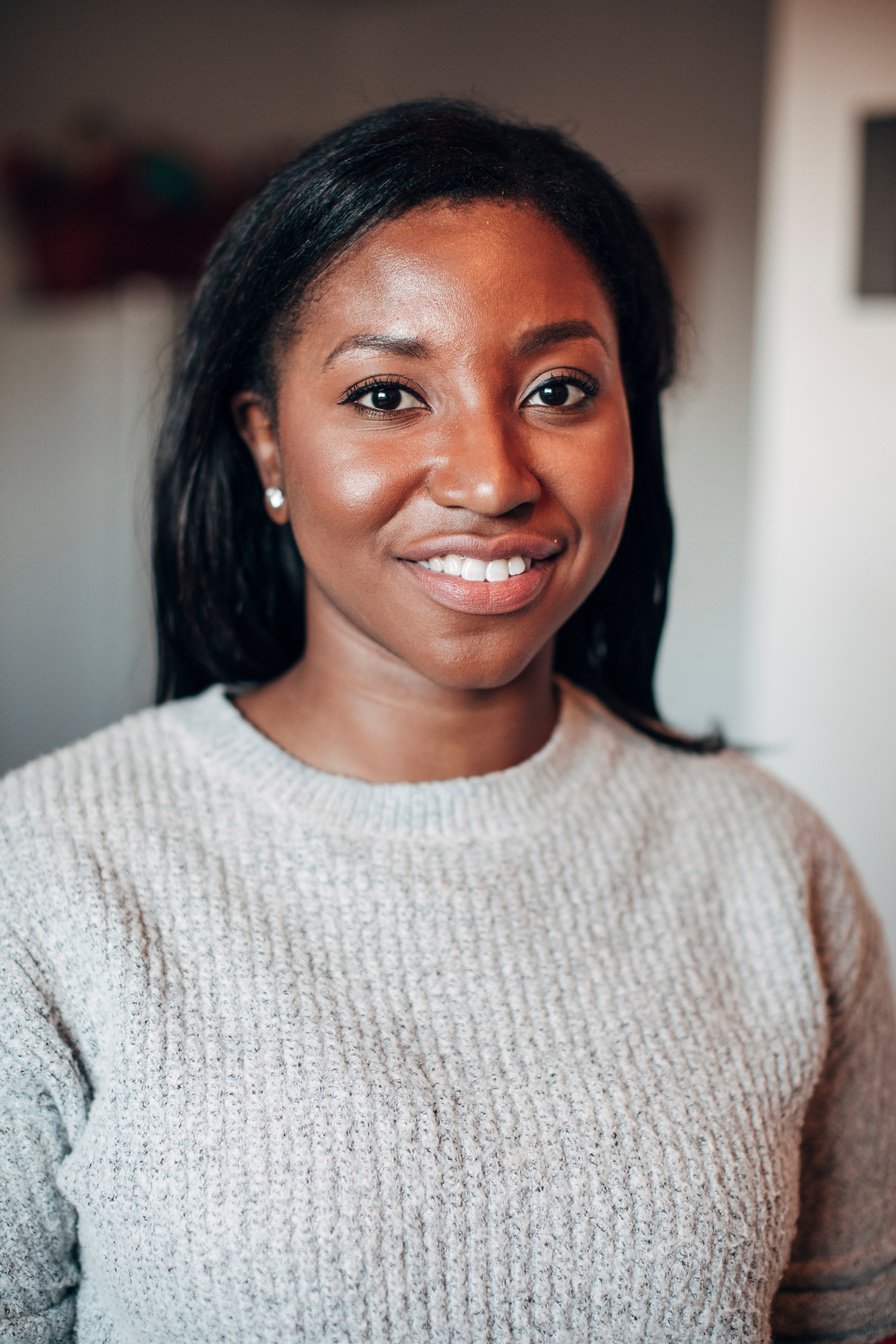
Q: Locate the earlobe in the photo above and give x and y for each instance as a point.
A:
(254, 426)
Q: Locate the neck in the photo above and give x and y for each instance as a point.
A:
(371, 717)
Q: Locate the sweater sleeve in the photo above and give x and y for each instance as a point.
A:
(840, 1283)
(43, 1101)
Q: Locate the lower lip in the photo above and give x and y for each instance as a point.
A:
(483, 598)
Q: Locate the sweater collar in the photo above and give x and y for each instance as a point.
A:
(519, 800)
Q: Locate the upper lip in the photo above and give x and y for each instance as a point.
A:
(530, 545)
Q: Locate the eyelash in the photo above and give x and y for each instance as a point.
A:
(359, 390)
(587, 385)
(574, 378)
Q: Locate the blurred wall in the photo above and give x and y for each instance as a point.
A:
(76, 416)
(822, 629)
(667, 94)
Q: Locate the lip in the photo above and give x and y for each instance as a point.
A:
(483, 599)
(530, 545)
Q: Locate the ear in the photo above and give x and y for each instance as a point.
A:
(254, 425)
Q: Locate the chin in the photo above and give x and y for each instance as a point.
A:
(474, 669)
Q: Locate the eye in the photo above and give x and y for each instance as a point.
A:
(383, 396)
(564, 392)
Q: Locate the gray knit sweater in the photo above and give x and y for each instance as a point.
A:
(597, 1048)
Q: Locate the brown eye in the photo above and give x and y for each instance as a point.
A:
(558, 392)
(555, 394)
(382, 397)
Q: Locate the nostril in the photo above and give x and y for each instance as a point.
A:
(521, 510)
(484, 476)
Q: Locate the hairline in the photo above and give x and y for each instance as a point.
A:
(286, 325)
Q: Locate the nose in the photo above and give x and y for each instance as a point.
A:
(484, 469)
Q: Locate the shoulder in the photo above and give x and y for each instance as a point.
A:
(734, 842)
(726, 792)
(56, 794)
(68, 816)
(722, 821)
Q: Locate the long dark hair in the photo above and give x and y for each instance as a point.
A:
(228, 581)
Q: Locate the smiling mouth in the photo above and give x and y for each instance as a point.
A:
(483, 588)
(473, 570)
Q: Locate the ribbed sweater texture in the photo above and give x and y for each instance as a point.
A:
(600, 1047)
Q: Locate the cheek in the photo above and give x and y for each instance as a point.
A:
(334, 489)
(598, 490)
(617, 493)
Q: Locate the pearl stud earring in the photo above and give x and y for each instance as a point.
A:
(275, 496)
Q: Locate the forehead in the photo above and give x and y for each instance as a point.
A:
(457, 268)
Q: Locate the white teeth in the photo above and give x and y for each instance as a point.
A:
(477, 571)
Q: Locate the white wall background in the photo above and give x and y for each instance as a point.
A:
(822, 628)
(76, 412)
(667, 94)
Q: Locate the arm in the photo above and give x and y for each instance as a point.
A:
(43, 1102)
(840, 1283)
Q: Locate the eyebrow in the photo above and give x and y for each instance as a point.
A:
(374, 340)
(555, 333)
(539, 338)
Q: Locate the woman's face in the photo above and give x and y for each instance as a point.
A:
(454, 391)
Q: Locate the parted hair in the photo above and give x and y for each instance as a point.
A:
(228, 581)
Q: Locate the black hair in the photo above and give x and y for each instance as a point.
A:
(229, 581)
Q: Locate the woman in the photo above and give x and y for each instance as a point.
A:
(402, 976)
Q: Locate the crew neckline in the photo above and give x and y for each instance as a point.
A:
(517, 800)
